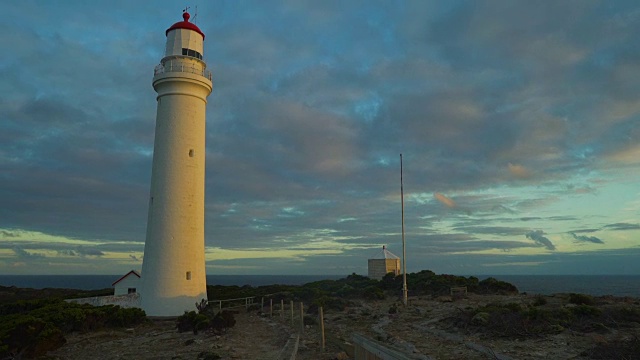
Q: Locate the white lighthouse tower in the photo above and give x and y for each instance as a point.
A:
(173, 270)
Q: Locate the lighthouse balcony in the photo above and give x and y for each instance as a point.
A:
(180, 66)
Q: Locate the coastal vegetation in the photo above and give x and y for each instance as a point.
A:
(334, 292)
(37, 321)
(30, 328)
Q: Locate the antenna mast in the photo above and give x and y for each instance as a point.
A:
(404, 251)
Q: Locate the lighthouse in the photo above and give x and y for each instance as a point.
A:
(173, 269)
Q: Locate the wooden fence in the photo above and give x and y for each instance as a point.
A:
(363, 348)
(233, 303)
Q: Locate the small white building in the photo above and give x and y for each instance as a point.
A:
(385, 262)
(128, 284)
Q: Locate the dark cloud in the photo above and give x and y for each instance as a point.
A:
(584, 238)
(67, 252)
(81, 251)
(494, 230)
(25, 255)
(539, 238)
(622, 226)
(84, 251)
(584, 231)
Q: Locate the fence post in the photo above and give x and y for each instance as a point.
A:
(301, 318)
(262, 304)
(281, 308)
(322, 328)
(220, 305)
(291, 306)
(271, 307)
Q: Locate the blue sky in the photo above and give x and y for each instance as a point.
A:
(518, 121)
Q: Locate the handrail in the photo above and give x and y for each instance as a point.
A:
(242, 302)
(180, 67)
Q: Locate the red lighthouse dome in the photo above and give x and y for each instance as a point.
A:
(185, 24)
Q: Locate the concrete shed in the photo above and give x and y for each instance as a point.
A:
(128, 284)
(385, 262)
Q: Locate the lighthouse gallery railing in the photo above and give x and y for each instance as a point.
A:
(180, 66)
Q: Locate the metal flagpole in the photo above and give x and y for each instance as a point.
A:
(404, 251)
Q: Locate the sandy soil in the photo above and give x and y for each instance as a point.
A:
(419, 329)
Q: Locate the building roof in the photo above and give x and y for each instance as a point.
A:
(185, 24)
(125, 276)
(385, 254)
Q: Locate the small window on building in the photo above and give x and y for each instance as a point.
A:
(188, 275)
(184, 51)
(131, 290)
(191, 53)
(191, 152)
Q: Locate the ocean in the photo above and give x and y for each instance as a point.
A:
(96, 282)
(616, 285)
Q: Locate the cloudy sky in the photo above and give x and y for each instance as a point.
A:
(518, 121)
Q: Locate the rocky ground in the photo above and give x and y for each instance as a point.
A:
(426, 329)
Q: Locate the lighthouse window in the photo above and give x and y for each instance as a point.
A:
(192, 53)
(191, 153)
(188, 275)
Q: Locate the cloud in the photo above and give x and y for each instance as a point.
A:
(622, 226)
(494, 230)
(537, 236)
(444, 200)
(584, 238)
(584, 231)
(83, 251)
(23, 254)
(80, 251)
(66, 252)
(519, 171)
(9, 234)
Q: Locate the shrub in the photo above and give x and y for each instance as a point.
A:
(539, 300)
(205, 319)
(494, 286)
(309, 320)
(580, 299)
(373, 292)
(37, 326)
(586, 311)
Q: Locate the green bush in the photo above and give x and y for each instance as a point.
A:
(586, 311)
(36, 326)
(580, 299)
(206, 319)
(539, 300)
(494, 286)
